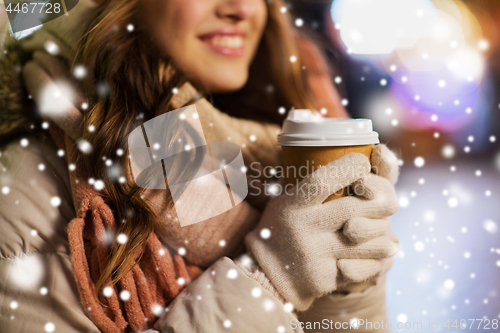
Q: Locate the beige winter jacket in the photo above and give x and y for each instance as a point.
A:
(37, 290)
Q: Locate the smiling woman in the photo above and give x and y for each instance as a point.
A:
(212, 42)
(115, 257)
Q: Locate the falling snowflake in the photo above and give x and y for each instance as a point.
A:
(483, 45)
(56, 99)
(49, 327)
(404, 202)
(448, 151)
(80, 72)
(99, 185)
(157, 309)
(419, 162)
(5, 190)
(232, 274)
(490, 226)
(269, 305)
(256, 292)
(449, 284)
(107, 291)
(402, 318)
(288, 307)
(453, 202)
(124, 295)
(354, 323)
(51, 47)
(429, 216)
(55, 201)
(84, 146)
(265, 233)
(121, 238)
(419, 246)
(227, 323)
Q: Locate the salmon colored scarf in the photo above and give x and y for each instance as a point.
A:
(159, 277)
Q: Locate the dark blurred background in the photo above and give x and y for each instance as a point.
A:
(428, 74)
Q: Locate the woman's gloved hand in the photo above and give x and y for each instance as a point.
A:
(300, 243)
(385, 164)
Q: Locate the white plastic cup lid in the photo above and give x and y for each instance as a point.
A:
(303, 128)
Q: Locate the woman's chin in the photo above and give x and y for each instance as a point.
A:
(218, 84)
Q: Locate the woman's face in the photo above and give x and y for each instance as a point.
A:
(211, 41)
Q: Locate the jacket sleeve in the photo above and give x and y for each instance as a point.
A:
(37, 294)
(360, 312)
(224, 299)
(37, 288)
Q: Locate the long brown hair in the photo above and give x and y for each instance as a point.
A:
(129, 82)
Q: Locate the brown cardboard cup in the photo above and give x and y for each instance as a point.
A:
(295, 158)
(309, 141)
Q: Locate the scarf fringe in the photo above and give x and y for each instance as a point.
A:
(152, 283)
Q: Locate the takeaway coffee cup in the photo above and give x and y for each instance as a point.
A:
(309, 141)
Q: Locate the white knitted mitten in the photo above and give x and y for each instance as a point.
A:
(358, 274)
(299, 240)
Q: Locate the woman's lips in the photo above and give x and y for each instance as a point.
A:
(228, 43)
